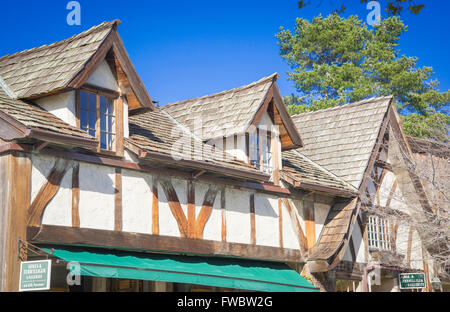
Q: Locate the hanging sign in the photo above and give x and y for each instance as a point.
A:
(35, 275)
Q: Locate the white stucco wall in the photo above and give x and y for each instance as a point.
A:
(266, 220)
(320, 215)
(59, 209)
(61, 105)
(167, 223)
(290, 239)
(136, 202)
(213, 227)
(103, 77)
(97, 189)
(237, 205)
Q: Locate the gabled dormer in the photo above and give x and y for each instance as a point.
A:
(251, 123)
(88, 81)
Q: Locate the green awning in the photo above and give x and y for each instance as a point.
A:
(211, 271)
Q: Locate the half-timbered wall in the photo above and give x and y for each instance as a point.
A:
(391, 187)
(87, 197)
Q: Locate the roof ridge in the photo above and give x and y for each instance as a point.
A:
(57, 43)
(361, 102)
(252, 84)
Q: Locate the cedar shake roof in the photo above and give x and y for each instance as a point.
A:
(235, 111)
(24, 115)
(222, 114)
(51, 67)
(158, 134)
(298, 168)
(341, 139)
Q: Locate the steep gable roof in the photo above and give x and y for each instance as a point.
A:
(234, 111)
(67, 64)
(342, 139)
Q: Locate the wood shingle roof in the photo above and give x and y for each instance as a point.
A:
(222, 114)
(32, 117)
(341, 139)
(297, 168)
(157, 133)
(51, 67)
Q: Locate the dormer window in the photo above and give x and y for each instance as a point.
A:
(260, 150)
(97, 116)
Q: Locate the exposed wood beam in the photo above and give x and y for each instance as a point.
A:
(76, 195)
(191, 208)
(310, 223)
(47, 192)
(252, 220)
(118, 201)
(175, 207)
(155, 208)
(296, 226)
(223, 214)
(205, 212)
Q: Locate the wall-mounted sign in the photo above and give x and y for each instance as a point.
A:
(35, 275)
(412, 280)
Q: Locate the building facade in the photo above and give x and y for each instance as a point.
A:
(222, 192)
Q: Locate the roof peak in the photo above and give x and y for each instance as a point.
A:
(98, 27)
(361, 102)
(274, 77)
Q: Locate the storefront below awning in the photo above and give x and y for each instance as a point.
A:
(219, 272)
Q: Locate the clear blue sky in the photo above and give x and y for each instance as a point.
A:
(186, 49)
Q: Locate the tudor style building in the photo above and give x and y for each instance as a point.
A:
(363, 143)
(205, 193)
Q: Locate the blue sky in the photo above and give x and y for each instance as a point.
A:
(186, 49)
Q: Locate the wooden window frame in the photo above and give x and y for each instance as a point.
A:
(260, 150)
(116, 99)
(379, 233)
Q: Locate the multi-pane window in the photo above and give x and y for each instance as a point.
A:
(260, 150)
(97, 117)
(379, 233)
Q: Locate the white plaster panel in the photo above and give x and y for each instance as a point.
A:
(200, 192)
(180, 187)
(136, 202)
(386, 187)
(237, 204)
(416, 252)
(126, 128)
(266, 220)
(103, 77)
(167, 223)
(59, 209)
(320, 216)
(213, 227)
(41, 167)
(402, 239)
(97, 189)
(290, 239)
(61, 105)
(298, 205)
